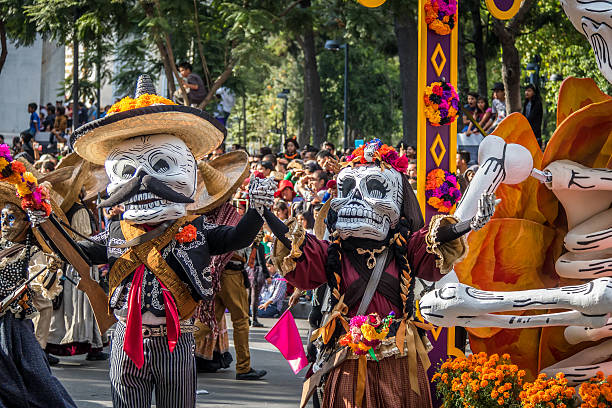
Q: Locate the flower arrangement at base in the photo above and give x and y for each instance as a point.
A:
(479, 381)
(547, 392)
(597, 392)
(442, 190)
(441, 103)
(441, 15)
(367, 333)
(33, 196)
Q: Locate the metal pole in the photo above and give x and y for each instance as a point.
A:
(75, 75)
(98, 80)
(285, 122)
(244, 119)
(346, 92)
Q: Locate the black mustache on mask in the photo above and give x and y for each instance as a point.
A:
(143, 184)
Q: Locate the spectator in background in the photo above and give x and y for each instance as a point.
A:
(532, 109)
(273, 293)
(411, 152)
(196, 90)
(470, 106)
(485, 119)
(463, 160)
(227, 100)
(92, 112)
(318, 184)
(34, 120)
(291, 149)
(60, 125)
(498, 109)
(47, 124)
(281, 210)
(411, 171)
(266, 168)
(1, 139)
(82, 113)
(330, 147)
(286, 191)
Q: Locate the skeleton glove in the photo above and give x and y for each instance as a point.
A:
(261, 193)
(486, 209)
(37, 217)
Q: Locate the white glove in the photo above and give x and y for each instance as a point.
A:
(261, 193)
(37, 217)
(486, 209)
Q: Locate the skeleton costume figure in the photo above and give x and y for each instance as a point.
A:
(25, 376)
(159, 256)
(380, 244)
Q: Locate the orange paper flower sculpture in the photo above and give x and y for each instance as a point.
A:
(186, 234)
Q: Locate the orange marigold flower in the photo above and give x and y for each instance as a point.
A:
(186, 234)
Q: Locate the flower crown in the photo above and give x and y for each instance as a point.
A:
(378, 153)
(128, 103)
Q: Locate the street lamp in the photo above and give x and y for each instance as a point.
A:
(334, 45)
(284, 94)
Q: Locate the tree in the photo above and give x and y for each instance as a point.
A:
(511, 63)
(14, 26)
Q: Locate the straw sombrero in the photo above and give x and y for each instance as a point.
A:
(155, 115)
(67, 182)
(8, 194)
(218, 180)
(96, 180)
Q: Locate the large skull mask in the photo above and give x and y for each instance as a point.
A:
(368, 203)
(165, 158)
(593, 19)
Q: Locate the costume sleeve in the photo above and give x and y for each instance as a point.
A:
(224, 238)
(96, 253)
(428, 255)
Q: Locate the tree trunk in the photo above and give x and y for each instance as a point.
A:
(405, 26)
(479, 50)
(4, 51)
(311, 76)
(511, 62)
(163, 53)
(217, 84)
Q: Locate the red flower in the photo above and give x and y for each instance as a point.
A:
(186, 234)
(18, 167)
(437, 89)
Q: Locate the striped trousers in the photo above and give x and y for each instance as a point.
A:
(171, 375)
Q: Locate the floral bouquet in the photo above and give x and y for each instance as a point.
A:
(479, 381)
(441, 103)
(548, 392)
(597, 392)
(367, 333)
(381, 154)
(441, 15)
(442, 190)
(33, 196)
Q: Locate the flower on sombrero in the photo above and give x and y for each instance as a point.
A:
(382, 154)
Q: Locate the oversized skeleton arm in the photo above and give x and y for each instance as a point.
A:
(458, 304)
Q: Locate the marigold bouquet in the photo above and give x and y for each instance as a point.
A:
(128, 103)
(597, 392)
(33, 196)
(367, 333)
(441, 103)
(479, 381)
(442, 190)
(441, 15)
(547, 392)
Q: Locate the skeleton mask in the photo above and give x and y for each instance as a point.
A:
(591, 18)
(172, 172)
(368, 203)
(14, 223)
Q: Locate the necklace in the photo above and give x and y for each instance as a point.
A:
(371, 261)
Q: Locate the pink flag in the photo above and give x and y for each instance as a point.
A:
(286, 338)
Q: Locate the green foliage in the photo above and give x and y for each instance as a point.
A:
(18, 28)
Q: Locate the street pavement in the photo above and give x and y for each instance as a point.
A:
(88, 383)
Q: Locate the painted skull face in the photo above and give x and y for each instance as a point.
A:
(155, 176)
(592, 18)
(368, 203)
(14, 223)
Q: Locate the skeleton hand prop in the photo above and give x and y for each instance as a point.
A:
(261, 193)
(486, 209)
(37, 217)
(456, 304)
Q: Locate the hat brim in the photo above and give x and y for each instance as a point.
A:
(235, 166)
(96, 182)
(201, 132)
(8, 194)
